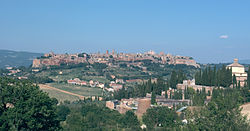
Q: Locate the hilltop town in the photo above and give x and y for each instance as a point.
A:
(111, 58)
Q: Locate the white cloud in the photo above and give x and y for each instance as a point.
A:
(224, 36)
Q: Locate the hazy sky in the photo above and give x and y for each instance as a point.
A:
(211, 31)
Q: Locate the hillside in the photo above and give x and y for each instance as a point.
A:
(16, 58)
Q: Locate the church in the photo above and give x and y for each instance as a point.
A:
(239, 71)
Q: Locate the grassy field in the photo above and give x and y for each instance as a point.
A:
(60, 96)
(80, 90)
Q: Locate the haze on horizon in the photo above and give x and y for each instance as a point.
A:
(210, 31)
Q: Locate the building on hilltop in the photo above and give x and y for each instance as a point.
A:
(191, 84)
(239, 71)
(135, 59)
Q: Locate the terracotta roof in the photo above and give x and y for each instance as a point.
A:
(235, 64)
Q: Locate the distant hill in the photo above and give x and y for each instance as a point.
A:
(16, 58)
(246, 61)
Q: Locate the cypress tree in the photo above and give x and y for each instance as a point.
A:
(200, 77)
(173, 80)
(239, 84)
(234, 81)
(153, 97)
(210, 76)
(248, 77)
(204, 77)
(214, 77)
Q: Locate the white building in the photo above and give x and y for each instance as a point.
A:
(239, 71)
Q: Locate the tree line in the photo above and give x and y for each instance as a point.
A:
(211, 76)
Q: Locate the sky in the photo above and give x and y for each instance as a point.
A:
(210, 31)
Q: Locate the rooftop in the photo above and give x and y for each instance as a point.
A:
(235, 64)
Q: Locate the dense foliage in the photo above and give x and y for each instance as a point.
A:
(176, 77)
(40, 79)
(214, 77)
(162, 117)
(222, 113)
(94, 116)
(24, 107)
(142, 90)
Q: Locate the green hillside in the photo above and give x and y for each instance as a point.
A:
(16, 58)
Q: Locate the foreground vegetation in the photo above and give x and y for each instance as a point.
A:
(24, 107)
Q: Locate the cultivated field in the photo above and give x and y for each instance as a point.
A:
(80, 90)
(58, 94)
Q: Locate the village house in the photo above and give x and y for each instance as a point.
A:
(119, 81)
(71, 81)
(22, 77)
(115, 86)
(77, 81)
(110, 89)
(101, 85)
(134, 81)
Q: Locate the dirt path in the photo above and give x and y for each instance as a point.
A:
(43, 86)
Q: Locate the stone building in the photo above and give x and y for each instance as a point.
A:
(239, 71)
(143, 105)
(191, 84)
(36, 63)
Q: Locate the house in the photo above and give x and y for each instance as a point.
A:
(134, 81)
(112, 76)
(71, 81)
(77, 81)
(92, 83)
(110, 89)
(116, 87)
(83, 83)
(101, 85)
(22, 77)
(119, 81)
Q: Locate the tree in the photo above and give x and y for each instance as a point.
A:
(238, 84)
(234, 81)
(24, 107)
(181, 76)
(123, 65)
(199, 98)
(153, 98)
(214, 77)
(173, 80)
(75, 121)
(97, 117)
(62, 112)
(222, 113)
(198, 78)
(248, 77)
(129, 120)
(160, 116)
